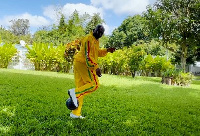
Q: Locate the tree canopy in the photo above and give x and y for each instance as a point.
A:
(20, 27)
(176, 21)
(132, 29)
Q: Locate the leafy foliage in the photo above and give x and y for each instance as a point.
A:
(7, 51)
(177, 77)
(128, 61)
(42, 36)
(68, 30)
(117, 39)
(7, 36)
(176, 21)
(20, 27)
(48, 57)
(132, 29)
(71, 49)
(95, 20)
(115, 63)
(74, 27)
(135, 57)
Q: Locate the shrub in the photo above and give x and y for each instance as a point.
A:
(135, 56)
(48, 57)
(176, 77)
(128, 61)
(155, 65)
(169, 73)
(182, 79)
(147, 65)
(114, 63)
(7, 51)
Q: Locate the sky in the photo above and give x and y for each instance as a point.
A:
(43, 12)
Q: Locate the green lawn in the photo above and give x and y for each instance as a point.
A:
(33, 103)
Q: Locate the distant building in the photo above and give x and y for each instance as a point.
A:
(195, 69)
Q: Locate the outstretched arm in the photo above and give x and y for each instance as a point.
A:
(111, 50)
(103, 52)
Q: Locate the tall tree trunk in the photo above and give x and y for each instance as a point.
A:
(184, 54)
(133, 73)
(183, 62)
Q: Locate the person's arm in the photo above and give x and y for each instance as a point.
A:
(103, 52)
(111, 50)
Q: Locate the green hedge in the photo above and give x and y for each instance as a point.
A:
(128, 61)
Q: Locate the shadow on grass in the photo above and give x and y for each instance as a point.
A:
(38, 73)
(152, 79)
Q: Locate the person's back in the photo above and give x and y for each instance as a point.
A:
(89, 47)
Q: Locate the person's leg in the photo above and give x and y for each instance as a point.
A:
(77, 111)
(89, 81)
(78, 83)
(86, 82)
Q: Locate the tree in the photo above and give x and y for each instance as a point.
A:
(66, 31)
(41, 36)
(74, 28)
(6, 36)
(95, 20)
(132, 29)
(62, 25)
(152, 47)
(117, 39)
(103, 41)
(20, 27)
(176, 21)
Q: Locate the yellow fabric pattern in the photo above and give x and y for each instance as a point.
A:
(90, 52)
(86, 82)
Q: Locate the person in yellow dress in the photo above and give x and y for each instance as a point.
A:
(86, 69)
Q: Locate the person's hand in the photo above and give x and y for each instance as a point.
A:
(98, 72)
(111, 50)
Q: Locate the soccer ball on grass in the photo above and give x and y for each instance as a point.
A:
(70, 105)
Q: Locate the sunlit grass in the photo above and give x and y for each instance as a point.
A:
(4, 129)
(33, 103)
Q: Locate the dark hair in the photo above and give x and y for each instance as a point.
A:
(99, 27)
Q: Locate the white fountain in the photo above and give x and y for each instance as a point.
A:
(21, 55)
(19, 61)
(22, 43)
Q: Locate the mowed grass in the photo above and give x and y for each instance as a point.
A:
(33, 103)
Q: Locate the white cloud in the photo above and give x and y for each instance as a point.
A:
(107, 29)
(35, 21)
(53, 12)
(129, 7)
(68, 9)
